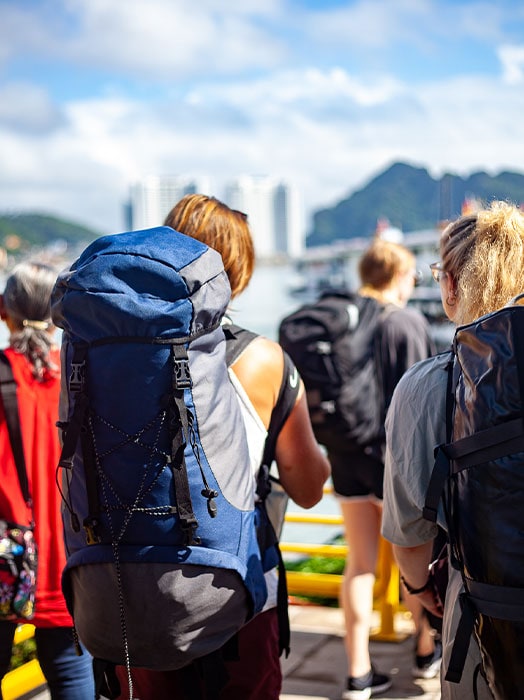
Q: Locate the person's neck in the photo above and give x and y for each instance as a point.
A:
(383, 296)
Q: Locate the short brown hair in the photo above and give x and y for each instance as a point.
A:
(226, 230)
(484, 253)
(382, 262)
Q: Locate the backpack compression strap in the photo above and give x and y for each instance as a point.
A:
(181, 426)
(74, 431)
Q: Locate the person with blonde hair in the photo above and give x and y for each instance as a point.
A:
(481, 268)
(264, 379)
(25, 307)
(388, 275)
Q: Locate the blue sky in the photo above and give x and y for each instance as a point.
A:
(95, 94)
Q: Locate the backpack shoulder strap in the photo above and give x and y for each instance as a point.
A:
(8, 391)
(286, 400)
(237, 340)
(287, 397)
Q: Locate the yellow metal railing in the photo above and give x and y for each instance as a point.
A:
(386, 592)
(25, 678)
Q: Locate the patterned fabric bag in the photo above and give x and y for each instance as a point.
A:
(18, 562)
(18, 551)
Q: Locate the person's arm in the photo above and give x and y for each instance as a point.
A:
(414, 425)
(413, 563)
(302, 465)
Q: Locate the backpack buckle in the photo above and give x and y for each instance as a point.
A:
(181, 374)
(91, 535)
(189, 525)
(76, 380)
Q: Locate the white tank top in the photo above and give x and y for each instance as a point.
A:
(256, 438)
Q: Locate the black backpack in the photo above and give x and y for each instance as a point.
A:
(480, 471)
(332, 343)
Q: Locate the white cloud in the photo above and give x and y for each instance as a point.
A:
(373, 24)
(316, 121)
(158, 40)
(371, 30)
(281, 127)
(28, 108)
(512, 59)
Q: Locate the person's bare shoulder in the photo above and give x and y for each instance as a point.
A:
(260, 369)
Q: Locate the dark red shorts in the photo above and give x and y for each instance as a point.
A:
(254, 675)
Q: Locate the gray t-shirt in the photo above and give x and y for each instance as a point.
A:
(415, 424)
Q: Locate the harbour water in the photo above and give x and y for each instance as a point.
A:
(266, 300)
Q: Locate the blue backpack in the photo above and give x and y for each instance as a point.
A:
(163, 565)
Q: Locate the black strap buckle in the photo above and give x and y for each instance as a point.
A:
(181, 374)
(77, 377)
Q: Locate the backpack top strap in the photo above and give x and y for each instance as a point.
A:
(8, 389)
(237, 340)
(287, 397)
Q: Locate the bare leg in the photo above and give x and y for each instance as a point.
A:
(362, 520)
(423, 631)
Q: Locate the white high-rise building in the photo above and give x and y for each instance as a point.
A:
(273, 207)
(274, 213)
(153, 198)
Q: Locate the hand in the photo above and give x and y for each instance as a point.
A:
(431, 601)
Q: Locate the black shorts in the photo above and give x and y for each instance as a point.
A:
(356, 474)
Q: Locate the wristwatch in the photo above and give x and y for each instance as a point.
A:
(414, 591)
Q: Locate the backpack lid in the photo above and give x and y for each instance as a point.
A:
(151, 283)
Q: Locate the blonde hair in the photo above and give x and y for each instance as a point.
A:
(484, 253)
(226, 230)
(381, 264)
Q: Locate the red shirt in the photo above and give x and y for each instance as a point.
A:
(38, 408)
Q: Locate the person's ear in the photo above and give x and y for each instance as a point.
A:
(452, 284)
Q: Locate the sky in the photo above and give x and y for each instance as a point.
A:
(324, 94)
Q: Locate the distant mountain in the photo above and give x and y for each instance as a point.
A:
(20, 231)
(410, 199)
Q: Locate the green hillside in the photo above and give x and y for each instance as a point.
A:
(411, 200)
(20, 231)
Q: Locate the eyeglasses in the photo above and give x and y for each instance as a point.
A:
(436, 271)
(240, 214)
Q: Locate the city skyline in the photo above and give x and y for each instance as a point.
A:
(325, 94)
(273, 207)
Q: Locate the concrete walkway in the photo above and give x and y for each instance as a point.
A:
(316, 667)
